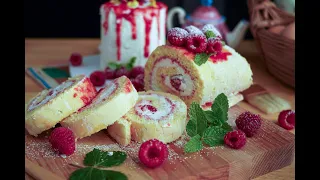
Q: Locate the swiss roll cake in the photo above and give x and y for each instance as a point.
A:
(51, 106)
(172, 69)
(110, 104)
(155, 115)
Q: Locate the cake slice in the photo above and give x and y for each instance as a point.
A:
(49, 107)
(120, 131)
(155, 115)
(110, 104)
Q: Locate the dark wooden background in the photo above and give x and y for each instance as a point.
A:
(80, 18)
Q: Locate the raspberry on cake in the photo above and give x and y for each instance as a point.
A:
(110, 104)
(49, 107)
(172, 69)
(156, 115)
(131, 30)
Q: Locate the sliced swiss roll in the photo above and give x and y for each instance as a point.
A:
(155, 115)
(49, 107)
(172, 69)
(110, 104)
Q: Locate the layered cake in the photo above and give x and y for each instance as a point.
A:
(110, 104)
(49, 107)
(155, 115)
(131, 29)
(197, 66)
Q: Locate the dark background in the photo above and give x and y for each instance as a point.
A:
(80, 18)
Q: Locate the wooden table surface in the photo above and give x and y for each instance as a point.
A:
(49, 52)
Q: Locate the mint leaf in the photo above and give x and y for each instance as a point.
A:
(90, 173)
(114, 66)
(220, 107)
(99, 158)
(201, 58)
(210, 34)
(226, 127)
(193, 145)
(214, 136)
(212, 119)
(130, 64)
(198, 121)
(114, 175)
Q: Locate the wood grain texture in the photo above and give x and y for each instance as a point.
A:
(219, 163)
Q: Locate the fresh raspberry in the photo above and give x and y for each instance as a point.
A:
(177, 36)
(249, 123)
(136, 71)
(286, 119)
(75, 59)
(235, 139)
(214, 45)
(153, 153)
(62, 139)
(210, 27)
(196, 43)
(138, 82)
(98, 78)
(193, 30)
(109, 73)
(121, 72)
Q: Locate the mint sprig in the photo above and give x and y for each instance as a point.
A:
(201, 58)
(96, 159)
(210, 34)
(207, 127)
(128, 66)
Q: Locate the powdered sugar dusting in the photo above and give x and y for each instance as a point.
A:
(193, 30)
(182, 140)
(177, 33)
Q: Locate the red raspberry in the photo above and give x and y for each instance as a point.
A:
(138, 82)
(249, 123)
(153, 153)
(136, 71)
(97, 78)
(235, 139)
(196, 43)
(176, 36)
(63, 140)
(121, 72)
(109, 73)
(75, 59)
(286, 119)
(214, 45)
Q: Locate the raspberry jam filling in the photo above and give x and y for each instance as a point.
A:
(179, 82)
(51, 94)
(154, 107)
(106, 92)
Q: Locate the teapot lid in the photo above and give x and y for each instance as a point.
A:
(206, 12)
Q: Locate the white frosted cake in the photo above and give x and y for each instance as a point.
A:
(131, 29)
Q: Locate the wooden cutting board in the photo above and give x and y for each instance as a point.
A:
(271, 149)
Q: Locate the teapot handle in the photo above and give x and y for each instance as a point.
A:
(181, 15)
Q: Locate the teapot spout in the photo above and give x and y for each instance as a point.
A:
(236, 36)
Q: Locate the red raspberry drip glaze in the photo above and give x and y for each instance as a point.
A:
(121, 11)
